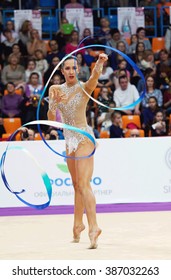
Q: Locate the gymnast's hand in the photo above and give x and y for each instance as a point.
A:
(55, 94)
(103, 57)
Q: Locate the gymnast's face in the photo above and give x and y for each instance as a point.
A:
(70, 70)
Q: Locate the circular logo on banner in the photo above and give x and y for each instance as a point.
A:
(168, 158)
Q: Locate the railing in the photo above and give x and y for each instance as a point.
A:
(51, 20)
(164, 23)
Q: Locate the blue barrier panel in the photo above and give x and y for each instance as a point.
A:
(47, 3)
(7, 15)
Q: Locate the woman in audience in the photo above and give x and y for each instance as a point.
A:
(84, 71)
(148, 113)
(151, 90)
(73, 44)
(13, 72)
(36, 43)
(158, 128)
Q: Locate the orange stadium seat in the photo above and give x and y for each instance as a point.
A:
(11, 124)
(96, 92)
(38, 136)
(18, 91)
(104, 134)
(158, 43)
(128, 40)
(127, 119)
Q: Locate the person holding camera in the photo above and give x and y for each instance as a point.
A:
(33, 92)
(52, 134)
(27, 134)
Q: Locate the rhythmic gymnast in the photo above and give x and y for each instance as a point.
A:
(71, 100)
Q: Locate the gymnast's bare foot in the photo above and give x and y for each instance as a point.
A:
(94, 237)
(77, 232)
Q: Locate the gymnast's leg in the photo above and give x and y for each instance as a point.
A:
(84, 172)
(78, 202)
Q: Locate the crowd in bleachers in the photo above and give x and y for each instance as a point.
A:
(27, 61)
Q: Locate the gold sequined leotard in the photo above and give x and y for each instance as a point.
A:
(73, 112)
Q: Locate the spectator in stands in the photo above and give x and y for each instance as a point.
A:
(56, 80)
(24, 34)
(147, 61)
(52, 134)
(138, 55)
(104, 119)
(36, 43)
(148, 113)
(125, 95)
(61, 37)
(113, 41)
(9, 26)
(115, 57)
(41, 62)
(121, 71)
(151, 90)
(55, 61)
(27, 134)
(11, 102)
(8, 43)
(167, 38)
(33, 87)
(140, 85)
(30, 68)
(162, 79)
(158, 128)
(16, 50)
(84, 71)
(141, 32)
(116, 130)
(89, 40)
(167, 98)
(105, 97)
(164, 60)
(54, 51)
(104, 33)
(133, 44)
(134, 133)
(13, 71)
(104, 78)
(33, 92)
(72, 45)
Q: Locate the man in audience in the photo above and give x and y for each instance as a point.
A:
(125, 95)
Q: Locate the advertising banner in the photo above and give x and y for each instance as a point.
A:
(33, 15)
(129, 19)
(81, 19)
(125, 171)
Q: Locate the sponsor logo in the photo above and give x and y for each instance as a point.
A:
(67, 182)
(168, 158)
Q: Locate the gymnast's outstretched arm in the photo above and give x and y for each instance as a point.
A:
(91, 84)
